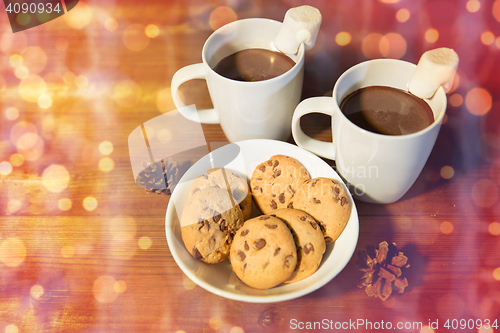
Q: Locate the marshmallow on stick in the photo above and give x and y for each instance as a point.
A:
(435, 68)
(301, 25)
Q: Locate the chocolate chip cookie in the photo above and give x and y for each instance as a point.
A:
(308, 239)
(263, 252)
(275, 181)
(328, 202)
(221, 177)
(208, 224)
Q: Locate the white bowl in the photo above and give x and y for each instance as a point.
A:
(243, 157)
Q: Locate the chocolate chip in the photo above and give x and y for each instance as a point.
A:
(288, 260)
(196, 253)
(277, 173)
(217, 217)
(241, 255)
(336, 199)
(256, 188)
(223, 225)
(277, 251)
(303, 218)
(246, 246)
(269, 162)
(343, 201)
(244, 267)
(205, 176)
(195, 190)
(200, 225)
(260, 243)
(314, 225)
(271, 226)
(336, 190)
(274, 205)
(282, 197)
(260, 178)
(275, 164)
(328, 240)
(308, 248)
(273, 195)
(290, 205)
(316, 201)
(262, 168)
(264, 217)
(245, 232)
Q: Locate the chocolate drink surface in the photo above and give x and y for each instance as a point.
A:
(254, 65)
(387, 110)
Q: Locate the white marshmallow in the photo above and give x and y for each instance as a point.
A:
(435, 68)
(301, 25)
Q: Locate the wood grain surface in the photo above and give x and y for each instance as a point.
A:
(83, 248)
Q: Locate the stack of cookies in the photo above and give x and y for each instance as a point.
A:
(287, 243)
(218, 204)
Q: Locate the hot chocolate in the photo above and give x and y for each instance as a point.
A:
(254, 65)
(386, 110)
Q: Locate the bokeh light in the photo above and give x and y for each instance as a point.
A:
(134, 38)
(69, 78)
(11, 113)
(221, 16)
(486, 329)
(64, 204)
(16, 159)
(144, 242)
(472, 6)
(127, 93)
(79, 17)
(11, 328)
(446, 227)
(393, 46)
(122, 228)
(13, 43)
(188, 284)
(81, 81)
(21, 72)
(90, 203)
(478, 101)
(34, 58)
(447, 172)
(16, 60)
(431, 35)
(22, 134)
(68, 251)
(496, 273)
(215, 323)
(32, 87)
(370, 45)
(484, 193)
(456, 100)
(5, 168)
(110, 24)
(120, 287)
(236, 329)
(12, 252)
(389, 1)
(14, 205)
(164, 135)
(496, 10)
(106, 164)
(152, 31)
(343, 38)
(55, 178)
(403, 15)
(104, 289)
(45, 101)
(37, 291)
(494, 228)
(106, 147)
(426, 329)
(487, 38)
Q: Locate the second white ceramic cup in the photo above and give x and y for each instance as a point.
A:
(379, 168)
(245, 110)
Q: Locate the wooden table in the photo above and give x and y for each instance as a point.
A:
(83, 248)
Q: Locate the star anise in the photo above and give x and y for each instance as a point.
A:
(382, 270)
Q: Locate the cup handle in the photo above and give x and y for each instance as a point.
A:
(196, 71)
(313, 105)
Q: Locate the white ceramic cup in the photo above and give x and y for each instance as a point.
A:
(245, 110)
(379, 168)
